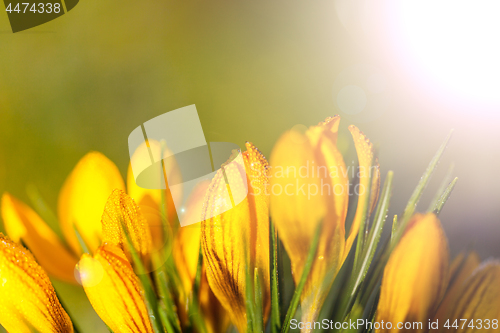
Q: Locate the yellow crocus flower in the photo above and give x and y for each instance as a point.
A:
(150, 200)
(186, 250)
(83, 196)
(81, 203)
(114, 290)
(239, 233)
(23, 224)
(416, 275)
(478, 301)
(461, 269)
(415, 282)
(123, 215)
(27, 299)
(309, 185)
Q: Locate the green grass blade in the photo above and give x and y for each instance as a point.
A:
(194, 306)
(444, 197)
(82, 243)
(359, 273)
(442, 187)
(258, 327)
(275, 291)
(376, 277)
(417, 193)
(149, 294)
(249, 298)
(394, 226)
(167, 309)
(300, 286)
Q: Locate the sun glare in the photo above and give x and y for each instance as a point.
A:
(454, 43)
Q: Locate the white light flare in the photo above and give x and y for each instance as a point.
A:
(454, 43)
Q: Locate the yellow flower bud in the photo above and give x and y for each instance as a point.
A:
(83, 196)
(27, 299)
(479, 300)
(186, 252)
(416, 275)
(122, 215)
(460, 270)
(23, 224)
(114, 290)
(239, 233)
(309, 185)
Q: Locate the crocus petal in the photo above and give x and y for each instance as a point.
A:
(309, 185)
(186, 251)
(416, 275)
(150, 202)
(152, 198)
(239, 233)
(364, 149)
(461, 269)
(23, 224)
(121, 217)
(27, 299)
(479, 299)
(114, 290)
(83, 196)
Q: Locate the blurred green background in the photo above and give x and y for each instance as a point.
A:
(254, 69)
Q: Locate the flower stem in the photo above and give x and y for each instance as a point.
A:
(300, 286)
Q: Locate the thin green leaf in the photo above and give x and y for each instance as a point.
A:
(258, 327)
(417, 193)
(149, 294)
(442, 187)
(394, 226)
(445, 196)
(300, 286)
(163, 311)
(167, 309)
(194, 306)
(249, 299)
(359, 273)
(82, 243)
(401, 225)
(275, 292)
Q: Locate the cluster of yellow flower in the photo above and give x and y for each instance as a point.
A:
(143, 273)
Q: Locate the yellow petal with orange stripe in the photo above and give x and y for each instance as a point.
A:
(23, 224)
(416, 275)
(239, 233)
(461, 269)
(83, 196)
(479, 300)
(114, 290)
(313, 171)
(27, 299)
(150, 200)
(122, 216)
(186, 251)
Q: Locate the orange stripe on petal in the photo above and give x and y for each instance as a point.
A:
(479, 298)
(241, 232)
(461, 269)
(122, 215)
(23, 224)
(114, 290)
(27, 298)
